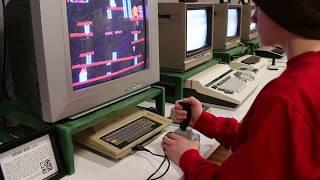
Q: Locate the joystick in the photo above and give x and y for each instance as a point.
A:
(187, 107)
(273, 65)
(184, 130)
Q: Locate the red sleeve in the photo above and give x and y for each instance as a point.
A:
(195, 167)
(222, 129)
(277, 143)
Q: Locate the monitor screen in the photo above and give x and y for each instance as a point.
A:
(107, 40)
(233, 23)
(197, 29)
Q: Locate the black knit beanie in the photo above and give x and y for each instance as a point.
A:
(301, 17)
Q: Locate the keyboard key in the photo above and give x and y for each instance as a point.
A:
(130, 132)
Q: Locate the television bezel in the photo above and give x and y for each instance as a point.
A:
(58, 99)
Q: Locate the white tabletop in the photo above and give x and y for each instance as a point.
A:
(140, 165)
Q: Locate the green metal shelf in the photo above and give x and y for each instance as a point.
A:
(253, 45)
(227, 55)
(66, 128)
(174, 82)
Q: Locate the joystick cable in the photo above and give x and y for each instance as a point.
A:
(140, 147)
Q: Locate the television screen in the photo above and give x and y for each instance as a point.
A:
(107, 40)
(197, 29)
(233, 22)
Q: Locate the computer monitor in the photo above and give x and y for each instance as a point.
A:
(248, 28)
(227, 23)
(185, 35)
(69, 56)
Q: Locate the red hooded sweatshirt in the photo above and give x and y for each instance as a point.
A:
(279, 138)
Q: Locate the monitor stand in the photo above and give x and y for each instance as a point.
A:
(65, 129)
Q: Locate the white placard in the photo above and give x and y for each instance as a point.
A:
(33, 160)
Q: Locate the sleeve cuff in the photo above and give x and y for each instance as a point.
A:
(203, 121)
(188, 160)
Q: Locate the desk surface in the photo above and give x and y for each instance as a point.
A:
(136, 166)
(140, 165)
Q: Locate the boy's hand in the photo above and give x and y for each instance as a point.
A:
(196, 110)
(174, 146)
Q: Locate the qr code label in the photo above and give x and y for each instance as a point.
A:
(46, 166)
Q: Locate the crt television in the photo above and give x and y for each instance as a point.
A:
(69, 56)
(185, 35)
(248, 28)
(227, 26)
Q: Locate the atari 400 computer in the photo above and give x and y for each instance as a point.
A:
(222, 86)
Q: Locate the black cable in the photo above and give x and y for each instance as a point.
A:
(149, 178)
(141, 148)
(4, 65)
(165, 172)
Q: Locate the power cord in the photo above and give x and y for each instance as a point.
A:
(139, 147)
(150, 177)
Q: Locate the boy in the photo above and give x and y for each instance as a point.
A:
(279, 138)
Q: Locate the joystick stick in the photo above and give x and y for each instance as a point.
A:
(187, 107)
(184, 130)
